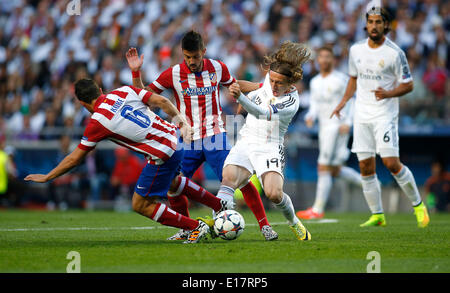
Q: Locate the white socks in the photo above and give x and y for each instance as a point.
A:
(324, 184)
(372, 193)
(287, 208)
(350, 175)
(226, 193)
(405, 180)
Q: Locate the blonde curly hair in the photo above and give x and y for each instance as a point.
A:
(288, 60)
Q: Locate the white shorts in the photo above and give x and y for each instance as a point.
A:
(257, 158)
(373, 138)
(333, 150)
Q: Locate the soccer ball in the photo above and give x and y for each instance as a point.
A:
(229, 225)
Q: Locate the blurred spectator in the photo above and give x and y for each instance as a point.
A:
(65, 190)
(125, 173)
(435, 76)
(11, 189)
(437, 188)
(42, 49)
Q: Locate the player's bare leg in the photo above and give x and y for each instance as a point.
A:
(238, 177)
(407, 183)
(273, 188)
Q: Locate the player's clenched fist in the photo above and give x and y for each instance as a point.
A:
(186, 133)
(235, 90)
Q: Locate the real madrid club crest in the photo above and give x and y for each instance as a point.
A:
(272, 100)
(381, 63)
(213, 77)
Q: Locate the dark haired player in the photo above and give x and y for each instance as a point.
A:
(123, 116)
(195, 83)
(379, 73)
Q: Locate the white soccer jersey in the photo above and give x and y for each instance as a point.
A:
(385, 67)
(123, 117)
(282, 110)
(197, 94)
(325, 94)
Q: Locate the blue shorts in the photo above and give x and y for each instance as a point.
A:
(155, 180)
(213, 149)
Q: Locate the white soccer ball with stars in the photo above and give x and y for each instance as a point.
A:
(229, 224)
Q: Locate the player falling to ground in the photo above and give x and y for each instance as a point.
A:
(123, 116)
(195, 84)
(327, 89)
(260, 146)
(379, 73)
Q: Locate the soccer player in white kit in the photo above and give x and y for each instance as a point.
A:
(379, 73)
(260, 146)
(326, 90)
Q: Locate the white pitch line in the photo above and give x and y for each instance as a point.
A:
(321, 221)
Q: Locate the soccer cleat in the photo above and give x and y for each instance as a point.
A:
(180, 235)
(226, 205)
(199, 233)
(421, 213)
(210, 222)
(309, 214)
(300, 231)
(269, 233)
(375, 220)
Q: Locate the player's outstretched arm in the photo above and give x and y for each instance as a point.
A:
(349, 92)
(70, 161)
(166, 105)
(248, 86)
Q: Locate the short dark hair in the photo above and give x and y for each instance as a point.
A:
(325, 48)
(387, 18)
(87, 90)
(192, 41)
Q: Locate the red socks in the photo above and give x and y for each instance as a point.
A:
(179, 204)
(168, 217)
(194, 192)
(254, 202)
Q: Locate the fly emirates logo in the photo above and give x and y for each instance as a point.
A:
(370, 75)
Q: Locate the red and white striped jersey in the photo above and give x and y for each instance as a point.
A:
(123, 117)
(197, 94)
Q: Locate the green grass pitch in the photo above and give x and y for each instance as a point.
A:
(36, 241)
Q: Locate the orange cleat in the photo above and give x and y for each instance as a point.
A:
(309, 214)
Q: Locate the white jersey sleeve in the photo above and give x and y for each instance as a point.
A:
(352, 70)
(286, 106)
(401, 68)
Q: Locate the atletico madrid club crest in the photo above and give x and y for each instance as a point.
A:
(213, 77)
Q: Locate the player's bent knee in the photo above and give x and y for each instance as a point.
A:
(393, 165)
(138, 203)
(367, 167)
(274, 194)
(175, 184)
(230, 178)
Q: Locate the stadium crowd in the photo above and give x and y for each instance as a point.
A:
(43, 50)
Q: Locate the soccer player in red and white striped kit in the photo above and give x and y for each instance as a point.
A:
(124, 117)
(195, 84)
